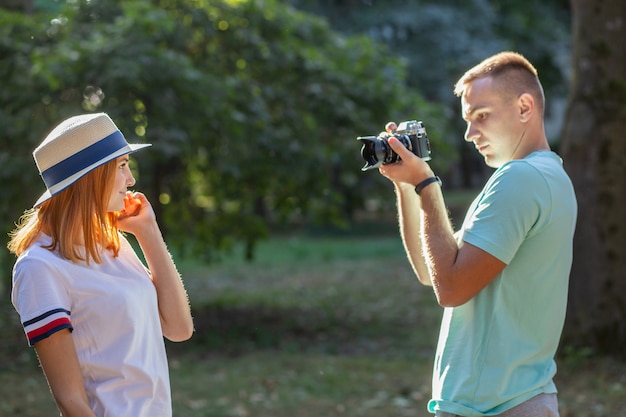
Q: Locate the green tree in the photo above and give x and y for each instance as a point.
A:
(22, 117)
(439, 40)
(253, 108)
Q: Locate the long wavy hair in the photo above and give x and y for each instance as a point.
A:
(76, 219)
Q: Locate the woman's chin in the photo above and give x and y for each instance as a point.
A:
(115, 207)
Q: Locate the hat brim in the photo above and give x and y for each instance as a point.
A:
(72, 179)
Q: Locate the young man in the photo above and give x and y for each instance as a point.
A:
(503, 277)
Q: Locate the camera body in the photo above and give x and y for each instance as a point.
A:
(376, 151)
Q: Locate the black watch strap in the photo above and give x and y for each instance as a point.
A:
(419, 187)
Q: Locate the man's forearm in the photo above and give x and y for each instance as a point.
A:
(438, 240)
(409, 220)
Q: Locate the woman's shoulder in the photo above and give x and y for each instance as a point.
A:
(38, 254)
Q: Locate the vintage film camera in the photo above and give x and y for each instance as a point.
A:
(376, 151)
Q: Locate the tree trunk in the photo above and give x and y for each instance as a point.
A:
(594, 153)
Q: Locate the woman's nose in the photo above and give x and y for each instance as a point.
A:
(130, 180)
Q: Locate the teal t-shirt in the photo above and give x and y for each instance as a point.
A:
(497, 350)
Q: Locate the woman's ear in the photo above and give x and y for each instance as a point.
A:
(526, 104)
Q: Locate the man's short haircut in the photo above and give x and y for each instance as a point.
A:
(513, 74)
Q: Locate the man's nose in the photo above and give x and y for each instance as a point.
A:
(470, 133)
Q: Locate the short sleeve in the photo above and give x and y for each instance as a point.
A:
(507, 211)
(40, 298)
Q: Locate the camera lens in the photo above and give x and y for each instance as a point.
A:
(376, 151)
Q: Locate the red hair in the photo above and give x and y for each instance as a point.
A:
(76, 218)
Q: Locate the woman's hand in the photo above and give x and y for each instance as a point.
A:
(137, 214)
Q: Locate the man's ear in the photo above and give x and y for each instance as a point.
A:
(526, 104)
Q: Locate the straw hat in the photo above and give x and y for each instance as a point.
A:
(77, 146)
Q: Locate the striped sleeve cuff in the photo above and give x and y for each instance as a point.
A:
(46, 325)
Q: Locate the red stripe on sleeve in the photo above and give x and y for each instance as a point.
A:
(48, 327)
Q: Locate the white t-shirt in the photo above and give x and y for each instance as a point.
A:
(112, 311)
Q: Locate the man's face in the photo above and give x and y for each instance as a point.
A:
(493, 122)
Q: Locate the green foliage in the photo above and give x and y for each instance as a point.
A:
(441, 39)
(252, 107)
(23, 117)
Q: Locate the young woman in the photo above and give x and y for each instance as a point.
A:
(94, 314)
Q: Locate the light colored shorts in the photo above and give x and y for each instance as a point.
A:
(543, 405)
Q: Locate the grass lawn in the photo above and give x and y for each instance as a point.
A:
(315, 327)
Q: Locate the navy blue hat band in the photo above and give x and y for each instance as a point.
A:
(83, 159)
